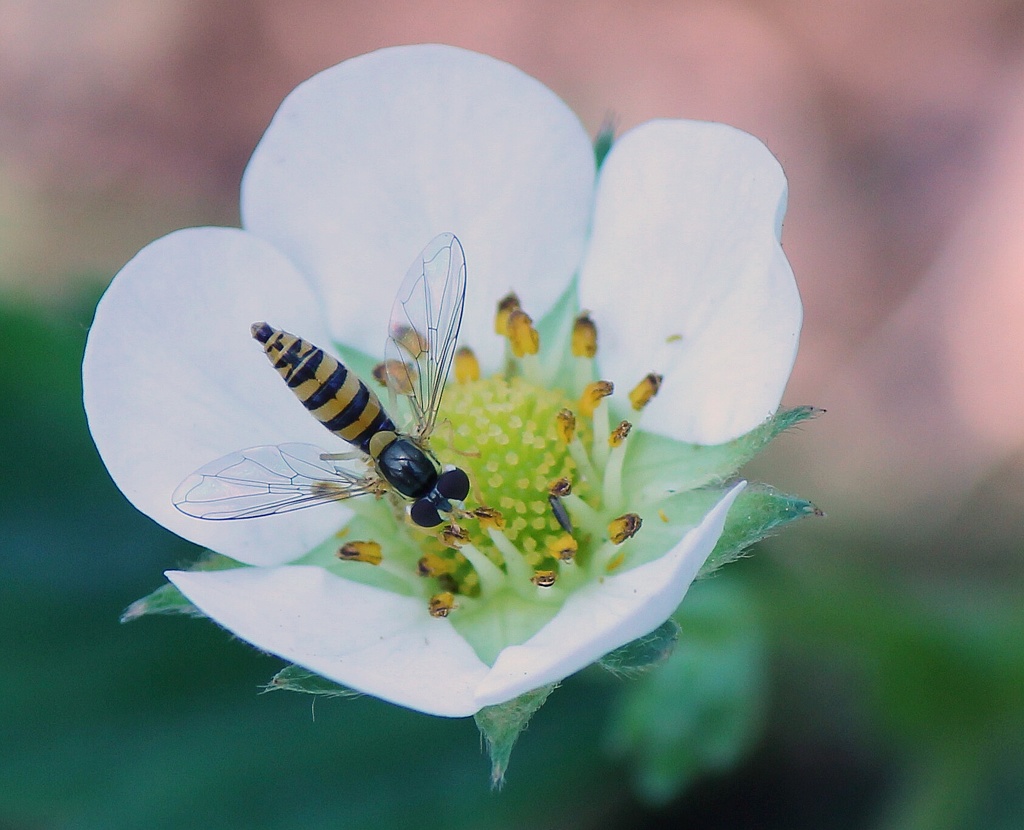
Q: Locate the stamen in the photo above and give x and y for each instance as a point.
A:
(560, 513)
(563, 547)
(613, 466)
(593, 395)
(518, 569)
(623, 528)
(506, 305)
(492, 578)
(454, 536)
(433, 565)
(544, 579)
(606, 558)
(619, 434)
(586, 516)
(560, 487)
(440, 604)
(584, 336)
(369, 552)
(565, 423)
(646, 389)
(522, 336)
(467, 367)
(592, 407)
(489, 518)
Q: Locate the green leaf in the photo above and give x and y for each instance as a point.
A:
(656, 464)
(758, 511)
(167, 599)
(501, 724)
(701, 710)
(644, 653)
(298, 679)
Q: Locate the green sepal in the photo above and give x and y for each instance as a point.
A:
(758, 511)
(167, 599)
(657, 464)
(700, 711)
(644, 653)
(501, 724)
(297, 679)
(603, 142)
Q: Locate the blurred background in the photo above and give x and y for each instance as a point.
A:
(862, 671)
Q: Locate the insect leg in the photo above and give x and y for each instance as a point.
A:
(341, 456)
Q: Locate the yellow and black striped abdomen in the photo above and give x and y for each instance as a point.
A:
(333, 395)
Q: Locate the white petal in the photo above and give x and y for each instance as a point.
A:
(367, 639)
(686, 243)
(605, 615)
(173, 380)
(367, 161)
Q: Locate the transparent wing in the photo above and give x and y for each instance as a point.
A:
(424, 328)
(264, 481)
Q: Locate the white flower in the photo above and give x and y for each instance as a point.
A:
(676, 245)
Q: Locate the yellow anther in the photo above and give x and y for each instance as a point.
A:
(624, 527)
(563, 547)
(663, 516)
(584, 336)
(560, 487)
(440, 604)
(467, 367)
(565, 423)
(489, 518)
(396, 375)
(506, 305)
(593, 395)
(368, 552)
(644, 391)
(619, 434)
(454, 536)
(431, 564)
(544, 579)
(523, 337)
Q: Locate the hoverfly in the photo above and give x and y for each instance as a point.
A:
(422, 335)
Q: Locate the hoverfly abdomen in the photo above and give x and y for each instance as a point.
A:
(333, 395)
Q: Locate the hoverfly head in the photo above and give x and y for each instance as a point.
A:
(451, 485)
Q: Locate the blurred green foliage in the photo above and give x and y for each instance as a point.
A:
(824, 697)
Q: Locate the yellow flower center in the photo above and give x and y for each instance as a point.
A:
(504, 434)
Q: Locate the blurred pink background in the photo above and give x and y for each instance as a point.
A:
(900, 126)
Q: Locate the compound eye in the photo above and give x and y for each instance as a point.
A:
(453, 484)
(424, 514)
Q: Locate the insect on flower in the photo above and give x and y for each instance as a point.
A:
(422, 336)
